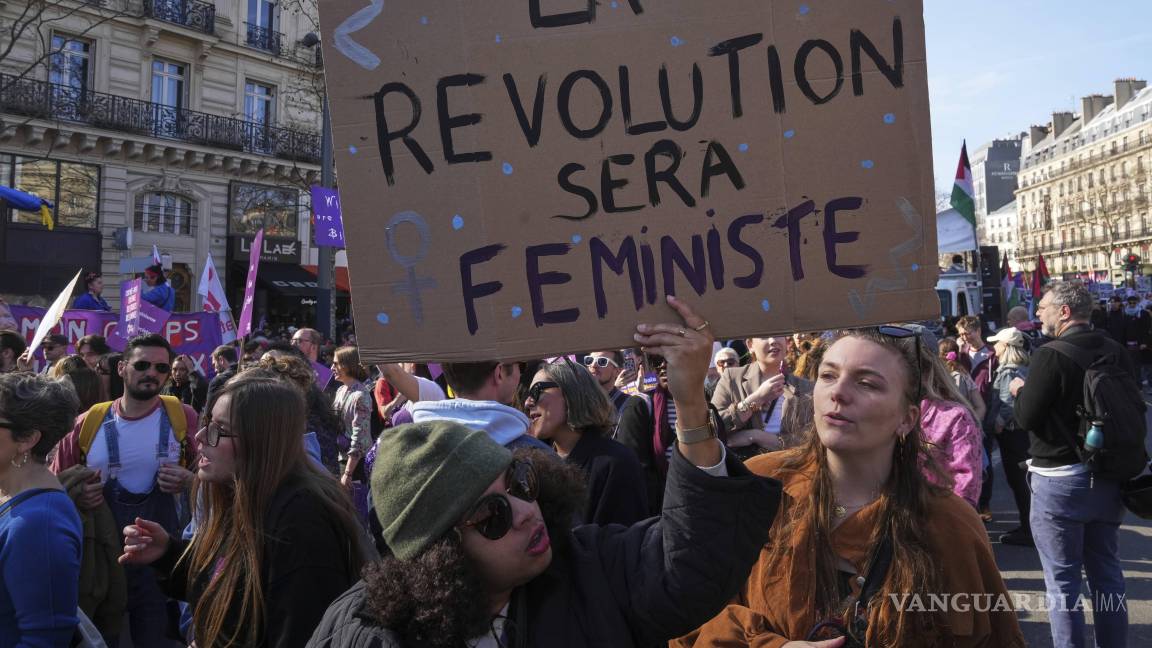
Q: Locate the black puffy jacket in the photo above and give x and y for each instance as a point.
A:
(620, 586)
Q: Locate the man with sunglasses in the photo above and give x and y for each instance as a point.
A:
(139, 450)
(605, 367)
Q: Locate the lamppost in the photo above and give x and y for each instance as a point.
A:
(326, 263)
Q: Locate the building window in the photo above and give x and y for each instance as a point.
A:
(262, 25)
(164, 213)
(73, 188)
(275, 209)
(70, 75)
(168, 90)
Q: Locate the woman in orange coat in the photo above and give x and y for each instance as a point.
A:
(865, 548)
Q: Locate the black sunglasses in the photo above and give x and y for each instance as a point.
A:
(537, 389)
(492, 515)
(213, 433)
(144, 365)
(900, 333)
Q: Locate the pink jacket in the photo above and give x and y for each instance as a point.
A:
(958, 445)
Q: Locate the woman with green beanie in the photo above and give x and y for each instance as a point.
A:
(482, 552)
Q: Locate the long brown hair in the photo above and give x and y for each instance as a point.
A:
(268, 416)
(904, 504)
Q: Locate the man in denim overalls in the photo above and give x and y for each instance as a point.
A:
(139, 474)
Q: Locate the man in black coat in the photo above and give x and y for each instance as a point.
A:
(1075, 515)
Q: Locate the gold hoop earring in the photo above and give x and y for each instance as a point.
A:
(23, 462)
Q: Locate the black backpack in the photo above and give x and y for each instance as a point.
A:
(1111, 395)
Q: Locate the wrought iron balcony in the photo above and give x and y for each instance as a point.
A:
(56, 102)
(193, 14)
(264, 38)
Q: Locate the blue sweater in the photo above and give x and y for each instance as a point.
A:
(40, 543)
(161, 296)
(88, 301)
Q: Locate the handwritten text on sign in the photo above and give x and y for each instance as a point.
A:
(532, 175)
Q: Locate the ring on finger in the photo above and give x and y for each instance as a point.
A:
(682, 333)
(701, 327)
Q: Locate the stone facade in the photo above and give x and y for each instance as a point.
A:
(1084, 186)
(170, 104)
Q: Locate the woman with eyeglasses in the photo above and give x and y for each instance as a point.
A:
(277, 539)
(483, 553)
(41, 538)
(569, 410)
(863, 539)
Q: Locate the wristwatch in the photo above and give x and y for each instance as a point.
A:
(743, 407)
(698, 434)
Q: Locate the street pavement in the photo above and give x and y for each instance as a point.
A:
(1020, 567)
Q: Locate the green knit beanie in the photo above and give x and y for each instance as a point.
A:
(426, 478)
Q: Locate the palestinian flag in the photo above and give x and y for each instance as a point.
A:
(1011, 297)
(1039, 278)
(963, 198)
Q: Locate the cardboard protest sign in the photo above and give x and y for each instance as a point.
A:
(530, 178)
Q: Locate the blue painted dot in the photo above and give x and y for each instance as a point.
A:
(867, 164)
(517, 311)
(676, 42)
(789, 134)
(457, 222)
(423, 20)
(352, 150)
(615, 4)
(576, 238)
(506, 168)
(889, 118)
(804, 9)
(743, 148)
(915, 267)
(766, 305)
(498, 39)
(382, 318)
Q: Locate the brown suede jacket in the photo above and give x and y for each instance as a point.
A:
(775, 606)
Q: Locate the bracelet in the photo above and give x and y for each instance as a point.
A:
(697, 434)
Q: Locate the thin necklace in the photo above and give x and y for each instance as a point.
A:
(840, 510)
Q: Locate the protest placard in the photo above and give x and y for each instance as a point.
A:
(528, 177)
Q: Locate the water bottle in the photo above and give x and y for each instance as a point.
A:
(1094, 440)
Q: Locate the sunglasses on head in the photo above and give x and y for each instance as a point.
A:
(601, 362)
(900, 333)
(537, 389)
(144, 365)
(492, 515)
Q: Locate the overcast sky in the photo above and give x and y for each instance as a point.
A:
(995, 67)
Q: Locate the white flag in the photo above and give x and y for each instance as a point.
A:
(155, 255)
(216, 301)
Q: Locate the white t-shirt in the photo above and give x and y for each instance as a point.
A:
(429, 391)
(138, 461)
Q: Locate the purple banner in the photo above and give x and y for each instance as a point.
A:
(244, 326)
(329, 225)
(323, 375)
(195, 335)
(138, 316)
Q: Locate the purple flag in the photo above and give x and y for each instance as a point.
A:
(329, 230)
(136, 315)
(244, 326)
(323, 375)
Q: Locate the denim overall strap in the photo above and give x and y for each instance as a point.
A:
(165, 432)
(112, 442)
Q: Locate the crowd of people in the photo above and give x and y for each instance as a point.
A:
(792, 490)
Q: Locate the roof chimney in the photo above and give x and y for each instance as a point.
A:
(1126, 89)
(1060, 122)
(1037, 134)
(1094, 105)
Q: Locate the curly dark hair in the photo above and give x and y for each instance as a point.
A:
(437, 599)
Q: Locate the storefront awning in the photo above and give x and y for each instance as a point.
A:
(341, 277)
(287, 279)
